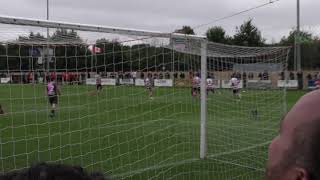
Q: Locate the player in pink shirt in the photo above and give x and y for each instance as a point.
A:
(53, 92)
(195, 91)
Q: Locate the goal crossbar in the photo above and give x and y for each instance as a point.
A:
(92, 28)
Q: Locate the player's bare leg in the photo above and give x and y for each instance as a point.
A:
(99, 89)
(238, 96)
(151, 94)
(195, 94)
(53, 110)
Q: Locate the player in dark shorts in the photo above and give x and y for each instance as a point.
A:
(148, 82)
(98, 85)
(53, 92)
(195, 91)
(235, 83)
(210, 86)
(235, 91)
(53, 99)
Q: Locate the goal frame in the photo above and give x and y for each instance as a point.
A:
(134, 32)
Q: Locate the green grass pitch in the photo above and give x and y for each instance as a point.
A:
(123, 134)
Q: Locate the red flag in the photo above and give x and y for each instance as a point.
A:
(94, 49)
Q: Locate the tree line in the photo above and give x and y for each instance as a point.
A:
(247, 34)
(72, 52)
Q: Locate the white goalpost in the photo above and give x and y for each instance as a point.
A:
(125, 107)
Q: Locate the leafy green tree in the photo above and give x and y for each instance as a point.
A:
(185, 30)
(70, 51)
(303, 37)
(32, 37)
(310, 49)
(248, 35)
(66, 36)
(72, 54)
(216, 34)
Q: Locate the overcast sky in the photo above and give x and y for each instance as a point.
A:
(274, 21)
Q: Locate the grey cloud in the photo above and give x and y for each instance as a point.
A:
(274, 21)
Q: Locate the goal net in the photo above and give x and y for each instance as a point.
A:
(144, 121)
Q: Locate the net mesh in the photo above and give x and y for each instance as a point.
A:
(127, 130)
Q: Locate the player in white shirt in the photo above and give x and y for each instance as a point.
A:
(195, 91)
(235, 85)
(210, 86)
(148, 83)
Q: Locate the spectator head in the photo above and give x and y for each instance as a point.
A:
(309, 77)
(51, 79)
(167, 75)
(1, 110)
(45, 171)
(175, 75)
(182, 75)
(161, 76)
(294, 153)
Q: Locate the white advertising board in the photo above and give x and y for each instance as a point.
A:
(91, 81)
(5, 80)
(126, 81)
(288, 83)
(259, 84)
(139, 82)
(217, 83)
(227, 84)
(108, 81)
(163, 82)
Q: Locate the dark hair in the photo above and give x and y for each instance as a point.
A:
(1, 110)
(44, 171)
(304, 150)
